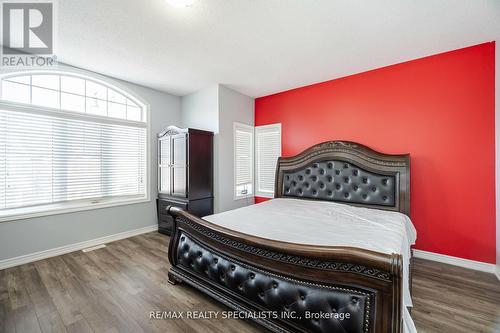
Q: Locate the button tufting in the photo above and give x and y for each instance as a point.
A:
(183, 239)
(216, 260)
(233, 268)
(252, 275)
(275, 285)
(338, 180)
(302, 297)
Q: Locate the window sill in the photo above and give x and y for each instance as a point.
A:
(265, 195)
(63, 208)
(241, 197)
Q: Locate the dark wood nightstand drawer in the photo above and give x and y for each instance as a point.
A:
(165, 221)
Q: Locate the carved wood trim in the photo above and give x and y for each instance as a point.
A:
(359, 155)
(291, 259)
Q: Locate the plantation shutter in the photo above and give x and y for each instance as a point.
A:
(268, 149)
(243, 168)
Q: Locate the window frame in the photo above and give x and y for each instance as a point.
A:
(250, 129)
(85, 204)
(263, 128)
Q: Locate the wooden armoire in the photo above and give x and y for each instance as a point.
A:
(185, 173)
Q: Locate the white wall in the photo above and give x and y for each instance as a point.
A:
(233, 107)
(201, 109)
(215, 108)
(28, 236)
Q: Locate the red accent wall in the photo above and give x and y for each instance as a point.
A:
(440, 109)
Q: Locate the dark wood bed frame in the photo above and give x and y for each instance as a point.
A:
(277, 283)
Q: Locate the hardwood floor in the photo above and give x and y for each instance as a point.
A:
(114, 289)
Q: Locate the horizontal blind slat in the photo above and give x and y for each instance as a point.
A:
(268, 150)
(45, 160)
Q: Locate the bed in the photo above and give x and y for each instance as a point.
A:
(331, 252)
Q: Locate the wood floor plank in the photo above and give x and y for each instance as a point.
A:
(114, 289)
(51, 323)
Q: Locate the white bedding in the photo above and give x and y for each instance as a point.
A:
(298, 221)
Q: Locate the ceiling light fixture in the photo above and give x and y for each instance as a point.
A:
(180, 3)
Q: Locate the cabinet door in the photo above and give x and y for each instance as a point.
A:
(179, 165)
(164, 164)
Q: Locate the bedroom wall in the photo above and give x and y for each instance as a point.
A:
(441, 110)
(497, 150)
(23, 237)
(233, 107)
(215, 108)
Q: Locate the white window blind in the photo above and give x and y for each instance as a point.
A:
(55, 158)
(267, 151)
(46, 160)
(243, 161)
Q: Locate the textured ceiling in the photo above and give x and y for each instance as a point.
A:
(259, 47)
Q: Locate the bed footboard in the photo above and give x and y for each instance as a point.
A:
(288, 287)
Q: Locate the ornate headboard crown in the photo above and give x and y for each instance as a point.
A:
(347, 172)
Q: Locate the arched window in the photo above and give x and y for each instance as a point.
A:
(69, 141)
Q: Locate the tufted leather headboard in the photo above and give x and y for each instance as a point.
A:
(348, 172)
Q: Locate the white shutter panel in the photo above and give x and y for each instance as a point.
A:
(48, 159)
(268, 149)
(243, 160)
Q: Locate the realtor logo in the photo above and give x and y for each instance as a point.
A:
(27, 28)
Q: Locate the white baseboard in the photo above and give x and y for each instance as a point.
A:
(497, 272)
(470, 264)
(24, 259)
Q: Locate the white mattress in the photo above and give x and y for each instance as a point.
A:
(330, 224)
